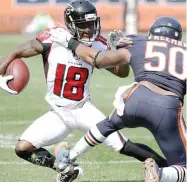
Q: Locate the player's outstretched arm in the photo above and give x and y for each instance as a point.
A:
(101, 59)
(27, 49)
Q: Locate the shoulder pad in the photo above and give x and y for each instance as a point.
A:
(103, 41)
(45, 35)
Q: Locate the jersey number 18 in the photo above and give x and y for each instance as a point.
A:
(74, 82)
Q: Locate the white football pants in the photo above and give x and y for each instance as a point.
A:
(50, 128)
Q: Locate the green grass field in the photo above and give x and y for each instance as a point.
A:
(18, 112)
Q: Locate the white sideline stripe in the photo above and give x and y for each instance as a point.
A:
(15, 137)
(15, 122)
(8, 141)
(80, 162)
(16, 107)
(8, 137)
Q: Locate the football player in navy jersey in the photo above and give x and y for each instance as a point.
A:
(154, 101)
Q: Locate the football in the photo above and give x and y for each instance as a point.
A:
(20, 71)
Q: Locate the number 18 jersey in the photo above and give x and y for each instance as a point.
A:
(68, 77)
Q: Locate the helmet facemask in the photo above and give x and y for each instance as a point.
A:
(85, 29)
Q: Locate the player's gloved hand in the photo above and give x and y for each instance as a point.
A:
(60, 36)
(3, 84)
(114, 36)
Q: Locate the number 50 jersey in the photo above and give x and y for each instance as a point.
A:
(68, 77)
(159, 60)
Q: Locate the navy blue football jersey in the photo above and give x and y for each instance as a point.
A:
(159, 60)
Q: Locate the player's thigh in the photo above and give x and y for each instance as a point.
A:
(171, 137)
(46, 130)
(88, 116)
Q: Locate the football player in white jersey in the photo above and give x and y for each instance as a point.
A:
(68, 83)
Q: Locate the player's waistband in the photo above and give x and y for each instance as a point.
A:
(168, 88)
(79, 105)
(55, 105)
(166, 101)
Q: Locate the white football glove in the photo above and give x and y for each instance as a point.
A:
(3, 84)
(114, 36)
(60, 36)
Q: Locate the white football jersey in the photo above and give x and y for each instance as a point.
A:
(67, 76)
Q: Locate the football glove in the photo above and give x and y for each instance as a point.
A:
(60, 36)
(4, 86)
(114, 37)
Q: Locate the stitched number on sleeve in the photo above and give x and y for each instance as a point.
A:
(74, 82)
(162, 59)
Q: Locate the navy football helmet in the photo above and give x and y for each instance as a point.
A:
(166, 26)
(81, 20)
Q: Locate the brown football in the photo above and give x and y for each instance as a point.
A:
(20, 71)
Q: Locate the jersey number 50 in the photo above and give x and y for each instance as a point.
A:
(74, 82)
(163, 63)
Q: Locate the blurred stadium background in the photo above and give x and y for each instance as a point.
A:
(17, 112)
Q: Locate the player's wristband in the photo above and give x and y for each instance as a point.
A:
(73, 44)
(95, 58)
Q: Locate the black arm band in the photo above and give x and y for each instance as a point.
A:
(73, 44)
(95, 63)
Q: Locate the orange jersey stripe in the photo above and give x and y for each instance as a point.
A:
(103, 41)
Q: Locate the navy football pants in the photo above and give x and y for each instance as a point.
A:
(160, 114)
